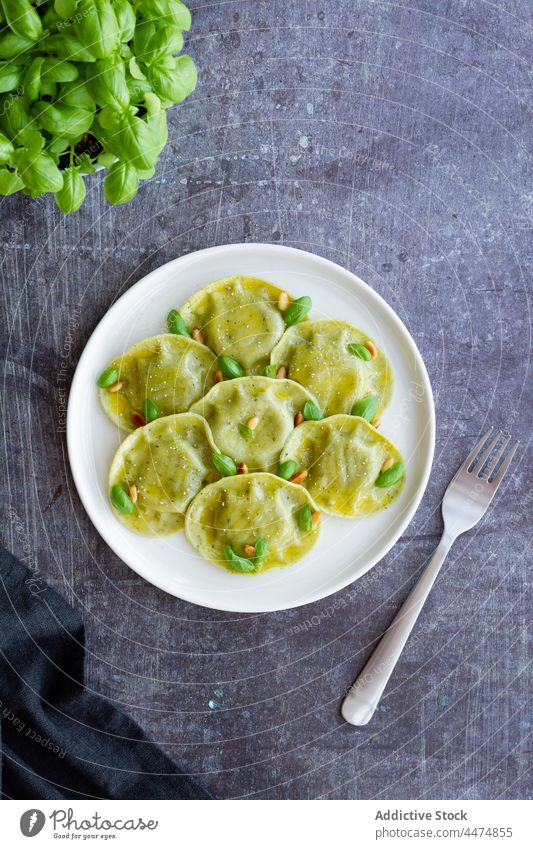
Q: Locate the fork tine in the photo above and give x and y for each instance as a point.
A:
(486, 473)
(504, 466)
(486, 454)
(475, 451)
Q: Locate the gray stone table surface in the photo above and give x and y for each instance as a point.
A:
(392, 138)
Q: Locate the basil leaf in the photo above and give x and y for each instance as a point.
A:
(311, 412)
(176, 324)
(229, 367)
(121, 501)
(108, 84)
(173, 10)
(391, 476)
(66, 121)
(22, 19)
(77, 94)
(287, 469)
(297, 310)
(270, 370)
(7, 150)
(10, 182)
(152, 42)
(72, 194)
(359, 351)
(366, 407)
(39, 171)
(126, 19)
(65, 8)
(224, 464)
(12, 45)
(305, 518)
(240, 564)
(32, 79)
(67, 46)
(108, 377)
(32, 139)
(121, 183)
(150, 410)
(96, 25)
(59, 71)
(84, 164)
(260, 552)
(10, 76)
(173, 84)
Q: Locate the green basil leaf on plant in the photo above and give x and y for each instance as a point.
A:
(84, 164)
(12, 45)
(96, 26)
(106, 159)
(126, 19)
(134, 69)
(173, 10)
(67, 121)
(77, 94)
(10, 76)
(57, 146)
(32, 139)
(59, 71)
(174, 84)
(39, 171)
(10, 182)
(67, 46)
(108, 83)
(32, 79)
(7, 150)
(65, 8)
(71, 195)
(22, 18)
(121, 183)
(14, 117)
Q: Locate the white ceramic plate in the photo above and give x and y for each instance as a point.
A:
(347, 548)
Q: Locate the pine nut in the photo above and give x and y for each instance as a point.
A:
(253, 422)
(116, 386)
(387, 464)
(138, 419)
(197, 335)
(298, 419)
(376, 423)
(219, 377)
(283, 301)
(242, 469)
(133, 493)
(282, 372)
(299, 477)
(249, 550)
(371, 348)
(315, 519)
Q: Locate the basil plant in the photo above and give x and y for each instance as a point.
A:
(86, 84)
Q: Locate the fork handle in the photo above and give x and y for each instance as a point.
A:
(362, 700)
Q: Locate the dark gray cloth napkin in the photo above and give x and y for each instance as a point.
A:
(58, 740)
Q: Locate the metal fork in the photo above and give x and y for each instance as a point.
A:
(465, 502)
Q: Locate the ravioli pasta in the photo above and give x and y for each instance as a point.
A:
(231, 404)
(239, 510)
(250, 420)
(344, 456)
(172, 371)
(317, 355)
(167, 462)
(238, 317)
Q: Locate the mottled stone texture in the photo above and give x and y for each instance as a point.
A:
(391, 138)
